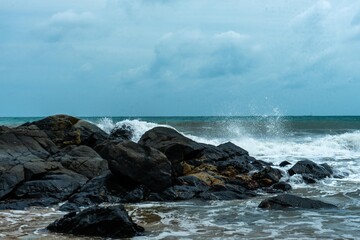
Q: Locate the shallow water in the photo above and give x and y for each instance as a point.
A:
(335, 141)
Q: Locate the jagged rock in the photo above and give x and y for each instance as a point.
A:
(109, 222)
(311, 171)
(287, 201)
(66, 130)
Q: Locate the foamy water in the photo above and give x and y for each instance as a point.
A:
(270, 140)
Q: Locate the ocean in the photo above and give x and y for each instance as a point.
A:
(334, 140)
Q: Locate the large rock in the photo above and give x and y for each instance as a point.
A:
(108, 222)
(83, 160)
(141, 164)
(107, 188)
(180, 149)
(66, 130)
(55, 184)
(311, 171)
(19, 146)
(287, 201)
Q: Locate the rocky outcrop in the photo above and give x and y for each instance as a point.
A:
(63, 158)
(109, 222)
(287, 201)
(311, 171)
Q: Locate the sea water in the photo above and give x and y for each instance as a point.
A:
(331, 140)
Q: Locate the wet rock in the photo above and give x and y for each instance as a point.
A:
(57, 184)
(267, 177)
(82, 160)
(17, 147)
(174, 145)
(232, 150)
(104, 188)
(109, 222)
(287, 201)
(310, 171)
(181, 150)
(141, 164)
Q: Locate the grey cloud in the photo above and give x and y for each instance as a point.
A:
(195, 55)
(68, 23)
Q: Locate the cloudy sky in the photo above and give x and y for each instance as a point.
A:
(179, 57)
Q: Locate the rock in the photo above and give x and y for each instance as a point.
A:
(141, 164)
(284, 163)
(66, 130)
(232, 150)
(287, 201)
(17, 147)
(267, 176)
(283, 186)
(180, 149)
(124, 133)
(107, 222)
(108, 188)
(174, 145)
(82, 160)
(56, 184)
(310, 171)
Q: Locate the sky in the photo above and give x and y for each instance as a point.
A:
(179, 57)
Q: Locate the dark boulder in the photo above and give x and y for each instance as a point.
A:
(19, 146)
(123, 133)
(56, 184)
(232, 150)
(180, 149)
(144, 165)
(173, 144)
(82, 160)
(287, 201)
(109, 222)
(311, 171)
(66, 130)
(108, 188)
(284, 163)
